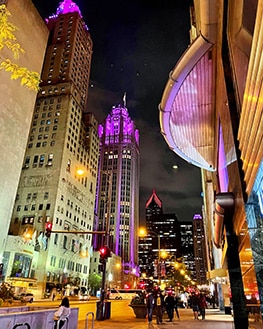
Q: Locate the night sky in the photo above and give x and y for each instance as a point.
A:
(135, 46)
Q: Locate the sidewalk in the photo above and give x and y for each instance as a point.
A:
(215, 319)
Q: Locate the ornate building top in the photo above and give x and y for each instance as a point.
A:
(68, 6)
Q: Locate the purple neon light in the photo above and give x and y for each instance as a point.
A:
(118, 122)
(222, 165)
(197, 217)
(68, 6)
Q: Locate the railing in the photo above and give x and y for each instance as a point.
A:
(92, 320)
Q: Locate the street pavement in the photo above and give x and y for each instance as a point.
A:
(215, 319)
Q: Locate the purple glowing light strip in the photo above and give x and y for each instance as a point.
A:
(197, 216)
(68, 6)
(222, 165)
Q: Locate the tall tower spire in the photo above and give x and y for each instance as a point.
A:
(68, 6)
(124, 99)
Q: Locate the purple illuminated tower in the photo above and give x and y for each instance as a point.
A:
(119, 179)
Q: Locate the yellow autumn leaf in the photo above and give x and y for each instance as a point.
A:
(7, 37)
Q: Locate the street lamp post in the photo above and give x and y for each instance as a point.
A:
(102, 308)
(159, 259)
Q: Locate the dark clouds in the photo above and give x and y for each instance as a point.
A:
(135, 46)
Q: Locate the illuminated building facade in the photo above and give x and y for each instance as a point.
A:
(187, 247)
(117, 202)
(58, 179)
(199, 242)
(162, 241)
(211, 115)
(17, 104)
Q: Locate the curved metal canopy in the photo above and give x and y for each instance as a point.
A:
(187, 117)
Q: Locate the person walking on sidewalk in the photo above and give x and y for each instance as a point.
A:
(194, 300)
(169, 305)
(159, 304)
(176, 300)
(150, 306)
(202, 305)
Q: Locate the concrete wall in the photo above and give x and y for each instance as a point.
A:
(34, 319)
(17, 103)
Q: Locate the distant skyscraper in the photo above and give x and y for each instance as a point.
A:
(163, 234)
(199, 249)
(118, 186)
(58, 180)
(187, 247)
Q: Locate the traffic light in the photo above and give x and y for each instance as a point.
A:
(104, 253)
(48, 229)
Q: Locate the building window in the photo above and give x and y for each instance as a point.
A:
(41, 160)
(50, 159)
(65, 242)
(56, 239)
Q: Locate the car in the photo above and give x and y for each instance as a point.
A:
(84, 297)
(27, 297)
(114, 294)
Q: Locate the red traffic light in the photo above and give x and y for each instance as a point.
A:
(48, 229)
(105, 252)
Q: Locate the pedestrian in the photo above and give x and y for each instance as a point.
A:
(195, 304)
(176, 301)
(202, 305)
(150, 305)
(169, 305)
(159, 304)
(62, 313)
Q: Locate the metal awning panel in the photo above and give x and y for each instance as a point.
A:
(187, 118)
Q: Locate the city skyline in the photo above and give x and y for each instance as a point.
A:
(134, 50)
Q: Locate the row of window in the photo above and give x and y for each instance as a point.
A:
(33, 207)
(33, 196)
(39, 160)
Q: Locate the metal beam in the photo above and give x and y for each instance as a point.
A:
(78, 232)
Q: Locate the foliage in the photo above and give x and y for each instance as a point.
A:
(6, 291)
(94, 282)
(8, 39)
(175, 276)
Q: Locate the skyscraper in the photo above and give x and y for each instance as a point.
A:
(163, 235)
(17, 104)
(117, 205)
(58, 179)
(187, 247)
(199, 249)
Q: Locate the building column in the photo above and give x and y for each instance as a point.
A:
(236, 283)
(224, 212)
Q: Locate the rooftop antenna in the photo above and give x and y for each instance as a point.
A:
(124, 99)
